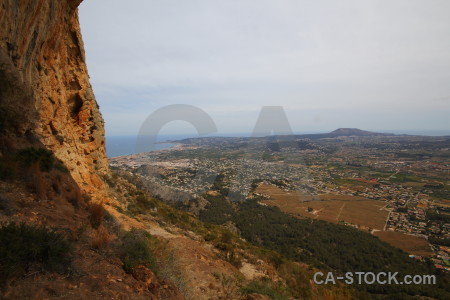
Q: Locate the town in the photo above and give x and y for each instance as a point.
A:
(407, 176)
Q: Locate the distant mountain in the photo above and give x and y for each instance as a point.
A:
(356, 132)
(286, 138)
(343, 132)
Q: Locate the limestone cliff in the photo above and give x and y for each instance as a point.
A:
(45, 91)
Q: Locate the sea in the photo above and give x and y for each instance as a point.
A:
(126, 145)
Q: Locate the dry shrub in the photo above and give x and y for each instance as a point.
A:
(101, 238)
(97, 213)
(74, 196)
(297, 279)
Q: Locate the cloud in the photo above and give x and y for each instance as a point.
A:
(231, 56)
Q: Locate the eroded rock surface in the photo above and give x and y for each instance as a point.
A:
(45, 90)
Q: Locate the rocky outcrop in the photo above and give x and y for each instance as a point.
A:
(45, 91)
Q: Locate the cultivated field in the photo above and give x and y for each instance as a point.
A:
(409, 243)
(356, 210)
(334, 208)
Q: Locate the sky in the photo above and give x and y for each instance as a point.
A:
(374, 65)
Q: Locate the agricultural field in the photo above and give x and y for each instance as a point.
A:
(366, 213)
(409, 243)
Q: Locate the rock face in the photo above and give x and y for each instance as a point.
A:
(44, 86)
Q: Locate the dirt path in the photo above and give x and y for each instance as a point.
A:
(387, 219)
(340, 211)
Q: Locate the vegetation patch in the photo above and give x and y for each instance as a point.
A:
(97, 213)
(267, 287)
(42, 157)
(136, 250)
(438, 216)
(439, 241)
(22, 246)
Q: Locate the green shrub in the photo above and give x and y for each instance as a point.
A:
(110, 180)
(224, 247)
(265, 286)
(136, 250)
(141, 204)
(234, 259)
(275, 258)
(43, 157)
(226, 237)
(22, 245)
(145, 202)
(210, 236)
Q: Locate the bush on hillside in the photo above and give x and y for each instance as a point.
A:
(23, 245)
(135, 250)
(42, 157)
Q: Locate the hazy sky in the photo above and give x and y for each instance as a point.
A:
(375, 65)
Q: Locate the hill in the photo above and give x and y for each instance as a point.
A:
(340, 132)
